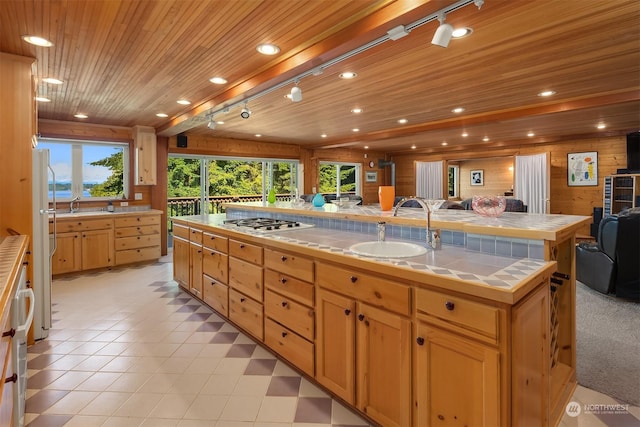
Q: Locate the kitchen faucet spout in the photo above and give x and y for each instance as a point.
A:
(75, 201)
(433, 236)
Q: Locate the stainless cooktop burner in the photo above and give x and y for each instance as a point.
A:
(266, 224)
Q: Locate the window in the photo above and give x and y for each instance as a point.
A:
(91, 170)
(339, 177)
(454, 172)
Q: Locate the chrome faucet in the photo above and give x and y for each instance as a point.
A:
(75, 208)
(433, 236)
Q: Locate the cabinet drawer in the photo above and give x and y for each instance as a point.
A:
(246, 313)
(297, 317)
(141, 230)
(246, 278)
(245, 251)
(83, 225)
(181, 231)
(289, 286)
(446, 310)
(215, 242)
(131, 221)
(301, 268)
(374, 290)
(137, 255)
(195, 235)
(216, 294)
(292, 347)
(216, 265)
(137, 242)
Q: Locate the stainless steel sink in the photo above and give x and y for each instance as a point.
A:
(388, 249)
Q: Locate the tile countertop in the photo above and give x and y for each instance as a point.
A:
(11, 250)
(100, 214)
(551, 227)
(494, 277)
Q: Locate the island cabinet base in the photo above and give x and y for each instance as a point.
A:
(402, 351)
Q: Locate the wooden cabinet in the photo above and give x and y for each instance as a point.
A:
(289, 307)
(83, 245)
(137, 238)
(144, 139)
(246, 282)
(380, 338)
(181, 261)
(215, 268)
(195, 262)
(621, 192)
(457, 361)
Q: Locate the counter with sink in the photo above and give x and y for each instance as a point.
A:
(404, 340)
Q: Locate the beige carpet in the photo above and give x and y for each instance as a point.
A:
(608, 344)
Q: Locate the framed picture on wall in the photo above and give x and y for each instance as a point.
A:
(477, 177)
(371, 176)
(582, 168)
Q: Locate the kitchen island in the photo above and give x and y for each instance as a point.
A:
(454, 337)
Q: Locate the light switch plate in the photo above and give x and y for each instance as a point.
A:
(138, 196)
(124, 203)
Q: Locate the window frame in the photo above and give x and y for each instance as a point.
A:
(357, 173)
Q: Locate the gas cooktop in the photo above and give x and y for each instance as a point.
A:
(266, 225)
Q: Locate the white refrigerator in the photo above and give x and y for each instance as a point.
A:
(44, 241)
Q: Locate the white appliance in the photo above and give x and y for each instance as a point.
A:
(20, 323)
(44, 243)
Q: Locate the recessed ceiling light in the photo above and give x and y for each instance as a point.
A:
(267, 49)
(403, 121)
(485, 139)
(163, 115)
(324, 135)
(465, 134)
(355, 130)
(457, 110)
(42, 99)
(530, 134)
(183, 102)
(413, 147)
(601, 126)
(347, 75)
(80, 116)
(443, 143)
(366, 147)
(218, 80)
(356, 110)
(547, 93)
(220, 122)
(38, 41)
(258, 135)
(459, 33)
(52, 81)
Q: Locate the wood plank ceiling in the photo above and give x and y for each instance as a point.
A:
(123, 61)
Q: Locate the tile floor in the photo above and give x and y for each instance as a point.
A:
(129, 348)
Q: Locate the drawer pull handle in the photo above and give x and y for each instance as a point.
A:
(284, 303)
(449, 305)
(12, 379)
(353, 279)
(284, 334)
(242, 299)
(283, 258)
(241, 246)
(361, 317)
(420, 341)
(10, 333)
(347, 311)
(283, 280)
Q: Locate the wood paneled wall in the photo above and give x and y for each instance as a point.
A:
(498, 179)
(564, 199)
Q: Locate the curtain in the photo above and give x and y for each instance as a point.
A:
(532, 176)
(429, 179)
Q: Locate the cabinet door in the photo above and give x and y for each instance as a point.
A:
(97, 249)
(457, 380)
(181, 261)
(384, 366)
(195, 269)
(335, 344)
(145, 143)
(67, 256)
